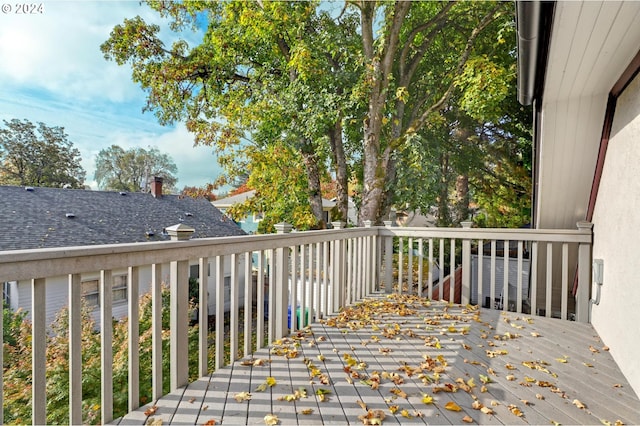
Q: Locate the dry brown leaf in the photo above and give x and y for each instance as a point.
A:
(362, 405)
(151, 411)
(510, 377)
(579, 404)
(486, 410)
(307, 411)
(191, 400)
(154, 421)
(467, 419)
(540, 396)
(594, 350)
(515, 410)
(372, 417)
(210, 422)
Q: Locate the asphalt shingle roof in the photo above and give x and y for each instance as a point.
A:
(38, 218)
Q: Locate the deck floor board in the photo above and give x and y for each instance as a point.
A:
(543, 368)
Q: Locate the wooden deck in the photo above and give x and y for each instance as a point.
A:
(393, 354)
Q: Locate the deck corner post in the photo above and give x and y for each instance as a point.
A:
(584, 273)
(282, 284)
(466, 266)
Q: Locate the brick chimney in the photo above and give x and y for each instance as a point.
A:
(156, 187)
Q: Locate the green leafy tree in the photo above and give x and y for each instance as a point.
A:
(131, 170)
(38, 156)
(17, 364)
(265, 73)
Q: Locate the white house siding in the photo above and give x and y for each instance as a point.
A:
(617, 238)
(58, 295)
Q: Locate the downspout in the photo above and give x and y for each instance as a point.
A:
(528, 31)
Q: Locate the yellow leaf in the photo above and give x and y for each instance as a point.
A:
(515, 410)
(562, 360)
(452, 406)
(467, 419)
(362, 405)
(510, 377)
(393, 409)
(307, 411)
(427, 399)
(405, 413)
(486, 410)
(271, 419)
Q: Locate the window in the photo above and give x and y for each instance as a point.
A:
(257, 217)
(91, 290)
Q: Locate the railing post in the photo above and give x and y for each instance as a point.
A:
(388, 260)
(282, 285)
(466, 266)
(39, 351)
(337, 282)
(179, 345)
(584, 273)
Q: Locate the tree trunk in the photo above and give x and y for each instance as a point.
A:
(313, 179)
(443, 219)
(340, 166)
(462, 199)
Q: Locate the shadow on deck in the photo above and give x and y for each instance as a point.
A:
(402, 359)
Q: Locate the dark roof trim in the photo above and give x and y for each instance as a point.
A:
(533, 24)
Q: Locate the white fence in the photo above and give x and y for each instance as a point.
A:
(331, 269)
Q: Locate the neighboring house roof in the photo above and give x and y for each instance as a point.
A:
(571, 57)
(224, 203)
(39, 218)
(229, 201)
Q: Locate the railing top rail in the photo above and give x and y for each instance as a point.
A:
(539, 235)
(27, 264)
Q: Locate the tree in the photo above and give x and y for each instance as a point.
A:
(38, 156)
(353, 88)
(268, 72)
(131, 170)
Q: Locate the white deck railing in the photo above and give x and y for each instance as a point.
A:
(302, 276)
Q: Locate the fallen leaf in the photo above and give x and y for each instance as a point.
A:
(579, 404)
(486, 410)
(535, 334)
(307, 411)
(467, 419)
(510, 367)
(539, 396)
(617, 385)
(271, 419)
(242, 396)
(151, 411)
(484, 379)
(562, 360)
(452, 406)
(594, 350)
(362, 405)
(154, 421)
(210, 422)
(427, 399)
(372, 417)
(510, 377)
(515, 410)
(191, 400)
(586, 364)
(405, 413)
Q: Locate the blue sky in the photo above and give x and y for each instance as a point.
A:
(52, 70)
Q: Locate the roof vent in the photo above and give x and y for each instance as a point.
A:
(123, 193)
(70, 215)
(66, 186)
(29, 188)
(149, 233)
(188, 214)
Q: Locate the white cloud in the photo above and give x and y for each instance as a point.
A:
(53, 71)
